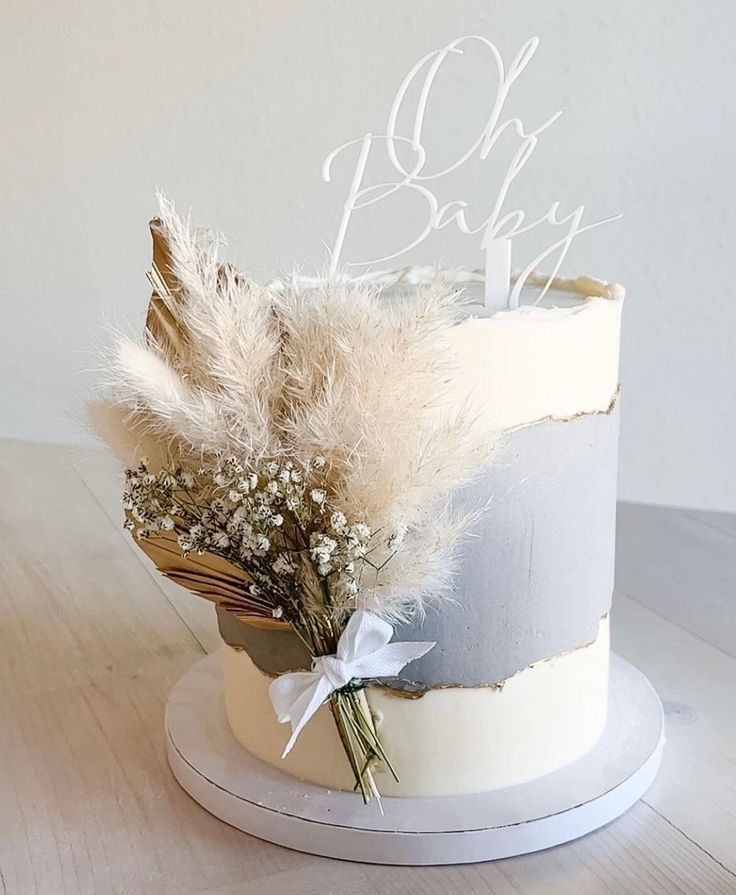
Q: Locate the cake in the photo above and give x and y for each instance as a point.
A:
(397, 488)
(517, 685)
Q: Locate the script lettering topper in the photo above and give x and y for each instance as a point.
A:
(500, 227)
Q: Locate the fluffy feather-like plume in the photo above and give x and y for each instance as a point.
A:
(233, 335)
(421, 573)
(340, 370)
(207, 370)
(146, 381)
(366, 387)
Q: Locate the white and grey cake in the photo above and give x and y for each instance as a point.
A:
(516, 686)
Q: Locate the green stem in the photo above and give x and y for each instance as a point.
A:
(360, 739)
(343, 728)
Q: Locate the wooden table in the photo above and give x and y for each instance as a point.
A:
(93, 640)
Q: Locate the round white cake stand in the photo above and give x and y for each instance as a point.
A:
(255, 797)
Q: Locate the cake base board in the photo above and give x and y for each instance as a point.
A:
(261, 800)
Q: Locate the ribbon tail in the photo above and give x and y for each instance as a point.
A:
(289, 692)
(391, 658)
(318, 693)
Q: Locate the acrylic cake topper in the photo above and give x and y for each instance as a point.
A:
(500, 227)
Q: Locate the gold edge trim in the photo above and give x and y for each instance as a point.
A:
(418, 693)
(568, 419)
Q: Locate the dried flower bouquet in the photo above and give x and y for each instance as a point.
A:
(292, 453)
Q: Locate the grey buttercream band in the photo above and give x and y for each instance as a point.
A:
(536, 577)
(533, 580)
(272, 651)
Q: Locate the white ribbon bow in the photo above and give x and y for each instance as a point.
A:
(363, 651)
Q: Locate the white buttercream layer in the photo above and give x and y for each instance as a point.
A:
(525, 365)
(448, 741)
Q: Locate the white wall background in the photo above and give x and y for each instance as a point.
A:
(230, 107)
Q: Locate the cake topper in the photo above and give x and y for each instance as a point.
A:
(500, 227)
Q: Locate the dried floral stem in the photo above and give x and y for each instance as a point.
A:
(314, 447)
(300, 559)
(359, 737)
